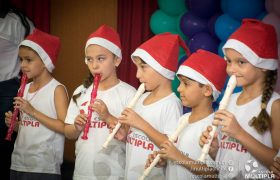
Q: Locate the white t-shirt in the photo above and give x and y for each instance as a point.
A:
(92, 161)
(188, 144)
(163, 115)
(11, 34)
(236, 160)
(37, 148)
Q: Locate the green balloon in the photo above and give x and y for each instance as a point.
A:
(161, 22)
(175, 84)
(172, 7)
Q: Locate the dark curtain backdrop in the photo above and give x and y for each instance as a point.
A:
(134, 28)
(38, 11)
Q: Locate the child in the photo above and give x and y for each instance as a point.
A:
(157, 110)
(251, 122)
(202, 77)
(102, 56)
(38, 150)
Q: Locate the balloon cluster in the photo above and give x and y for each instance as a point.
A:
(198, 24)
(203, 26)
(273, 18)
(166, 19)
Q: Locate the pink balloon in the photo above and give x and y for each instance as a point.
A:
(269, 5)
(274, 20)
(276, 7)
(277, 88)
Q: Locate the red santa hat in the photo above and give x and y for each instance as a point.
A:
(206, 68)
(161, 53)
(47, 47)
(257, 42)
(108, 38)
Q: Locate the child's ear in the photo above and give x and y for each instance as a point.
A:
(117, 61)
(208, 90)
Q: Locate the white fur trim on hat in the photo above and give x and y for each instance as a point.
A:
(250, 55)
(41, 52)
(145, 56)
(194, 75)
(106, 44)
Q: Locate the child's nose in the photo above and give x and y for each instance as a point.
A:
(231, 69)
(138, 74)
(94, 64)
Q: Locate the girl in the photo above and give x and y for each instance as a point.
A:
(157, 110)
(202, 77)
(102, 56)
(38, 150)
(251, 122)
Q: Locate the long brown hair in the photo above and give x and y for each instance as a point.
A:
(87, 82)
(262, 123)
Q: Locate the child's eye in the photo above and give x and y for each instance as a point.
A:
(100, 59)
(88, 59)
(241, 62)
(228, 61)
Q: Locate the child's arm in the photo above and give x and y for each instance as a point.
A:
(169, 151)
(101, 109)
(72, 131)
(256, 148)
(61, 103)
(132, 119)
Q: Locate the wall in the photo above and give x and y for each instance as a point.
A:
(73, 21)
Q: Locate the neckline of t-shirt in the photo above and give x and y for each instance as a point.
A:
(40, 89)
(199, 121)
(248, 103)
(107, 90)
(159, 101)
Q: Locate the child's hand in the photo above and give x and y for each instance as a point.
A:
(151, 157)
(8, 118)
(229, 123)
(204, 139)
(131, 118)
(275, 167)
(121, 134)
(80, 122)
(23, 105)
(169, 151)
(101, 109)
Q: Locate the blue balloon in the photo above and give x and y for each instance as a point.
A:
(225, 26)
(161, 22)
(191, 24)
(211, 24)
(240, 9)
(204, 41)
(203, 8)
(224, 5)
(262, 15)
(220, 50)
